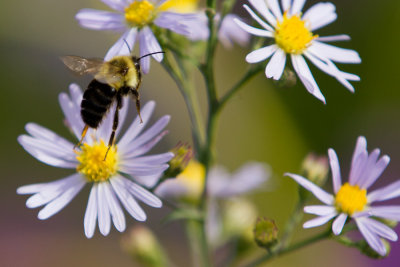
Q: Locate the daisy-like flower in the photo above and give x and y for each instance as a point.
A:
(110, 185)
(292, 34)
(135, 18)
(352, 200)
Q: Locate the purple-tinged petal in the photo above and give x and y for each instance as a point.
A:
(357, 168)
(71, 112)
(100, 20)
(182, 24)
(89, 221)
(320, 210)
(142, 171)
(145, 148)
(318, 221)
(385, 193)
(386, 212)
(381, 229)
(370, 236)
(335, 168)
(118, 5)
(338, 223)
(230, 33)
(116, 212)
(121, 46)
(375, 171)
(142, 194)
(39, 132)
(333, 38)
(317, 192)
(253, 30)
(136, 127)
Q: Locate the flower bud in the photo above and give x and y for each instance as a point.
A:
(316, 168)
(183, 154)
(144, 247)
(265, 233)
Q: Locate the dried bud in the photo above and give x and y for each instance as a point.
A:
(183, 154)
(265, 232)
(288, 79)
(316, 168)
(144, 247)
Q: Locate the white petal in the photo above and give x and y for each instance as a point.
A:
(297, 6)
(143, 171)
(40, 187)
(37, 131)
(370, 236)
(258, 19)
(261, 54)
(317, 192)
(304, 73)
(261, 7)
(50, 191)
(318, 221)
(276, 65)
(338, 223)
(273, 5)
(89, 221)
(152, 44)
(385, 193)
(142, 194)
(100, 20)
(333, 38)
(136, 127)
(121, 46)
(127, 200)
(320, 210)
(286, 4)
(76, 94)
(335, 168)
(319, 15)
(60, 202)
(72, 114)
(253, 30)
(336, 54)
(102, 210)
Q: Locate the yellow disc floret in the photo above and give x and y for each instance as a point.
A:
(140, 13)
(350, 199)
(93, 164)
(292, 35)
(193, 178)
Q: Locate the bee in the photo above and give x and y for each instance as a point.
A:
(114, 79)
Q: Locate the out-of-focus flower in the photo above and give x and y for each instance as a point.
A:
(292, 33)
(351, 199)
(110, 187)
(143, 246)
(135, 18)
(316, 168)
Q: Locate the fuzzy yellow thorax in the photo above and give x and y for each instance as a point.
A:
(140, 13)
(350, 199)
(292, 35)
(92, 163)
(180, 6)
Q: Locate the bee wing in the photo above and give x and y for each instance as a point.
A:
(81, 65)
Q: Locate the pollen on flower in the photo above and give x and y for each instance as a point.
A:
(292, 35)
(140, 13)
(92, 163)
(350, 199)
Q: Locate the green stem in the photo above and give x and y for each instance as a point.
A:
(321, 236)
(198, 243)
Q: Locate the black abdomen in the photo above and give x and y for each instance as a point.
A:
(97, 99)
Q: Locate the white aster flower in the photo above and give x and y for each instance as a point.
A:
(351, 199)
(292, 33)
(135, 18)
(110, 187)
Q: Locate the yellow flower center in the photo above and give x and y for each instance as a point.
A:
(180, 6)
(292, 35)
(92, 163)
(140, 13)
(350, 198)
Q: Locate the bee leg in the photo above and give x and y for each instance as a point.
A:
(115, 124)
(82, 136)
(137, 96)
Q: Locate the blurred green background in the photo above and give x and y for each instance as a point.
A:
(263, 122)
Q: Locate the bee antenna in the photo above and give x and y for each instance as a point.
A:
(130, 52)
(160, 52)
